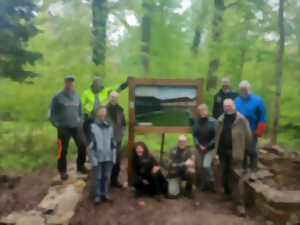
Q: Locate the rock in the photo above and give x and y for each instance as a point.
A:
(12, 218)
(262, 174)
(30, 218)
(80, 184)
(269, 222)
(24, 218)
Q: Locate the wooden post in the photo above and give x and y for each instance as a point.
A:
(131, 133)
(162, 149)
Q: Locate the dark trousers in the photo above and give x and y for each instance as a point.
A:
(232, 182)
(251, 154)
(226, 166)
(157, 184)
(87, 128)
(64, 135)
(117, 167)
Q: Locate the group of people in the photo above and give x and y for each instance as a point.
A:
(97, 124)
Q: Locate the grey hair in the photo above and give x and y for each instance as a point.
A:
(245, 83)
(97, 78)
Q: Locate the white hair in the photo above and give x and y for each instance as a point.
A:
(229, 100)
(182, 138)
(113, 94)
(245, 83)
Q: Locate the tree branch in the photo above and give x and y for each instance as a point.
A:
(232, 4)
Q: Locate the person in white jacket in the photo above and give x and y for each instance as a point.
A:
(102, 154)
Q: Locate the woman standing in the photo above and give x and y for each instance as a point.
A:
(148, 177)
(204, 128)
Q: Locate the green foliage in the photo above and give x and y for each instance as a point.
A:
(16, 29)
(66, 43)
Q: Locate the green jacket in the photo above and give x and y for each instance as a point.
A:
(88, 99)
(196, 124)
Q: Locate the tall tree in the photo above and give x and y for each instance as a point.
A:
(16, 28)
(100, 13)
(146, 35)
(281, 44)
(217, 33)
(201, 13)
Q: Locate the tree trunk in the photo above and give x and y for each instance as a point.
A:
(281, 43)
(196, 40)
(100, 12)
(217, 32)
(297, 23)
(242, 63)
(146, 37)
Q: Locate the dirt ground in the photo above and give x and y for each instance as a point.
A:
(22, 191)
(205, 209)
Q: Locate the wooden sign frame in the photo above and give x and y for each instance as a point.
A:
(137, 129)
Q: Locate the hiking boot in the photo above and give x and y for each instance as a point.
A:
(172, 196)
(106, 199)
(211, 187)
(204, 188)
(158, 197)
(83, 170)
(116, 185)
(241, 210)
(97, 200)
(189, 195)
(64, 176)
(253, 177)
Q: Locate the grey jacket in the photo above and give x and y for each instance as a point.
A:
(102, 147)
(119, 124)
(65, 110)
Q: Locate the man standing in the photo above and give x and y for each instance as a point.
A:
(253, 108)
(97, 95)
(232, 137)
(181, 165)
(225, 92)
(66, 115)
(116, 115)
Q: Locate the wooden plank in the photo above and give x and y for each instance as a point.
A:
(161, 130)
(166, 82)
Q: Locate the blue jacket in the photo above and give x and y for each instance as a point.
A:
(253, 109)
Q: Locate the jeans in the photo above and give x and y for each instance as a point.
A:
(102, 177)
(252, 154)
(204, 162)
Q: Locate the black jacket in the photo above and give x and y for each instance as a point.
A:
(219, 99)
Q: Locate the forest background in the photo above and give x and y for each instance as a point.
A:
(43, 40)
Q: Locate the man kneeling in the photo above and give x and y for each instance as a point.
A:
(181, 167)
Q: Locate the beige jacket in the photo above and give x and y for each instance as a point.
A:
(241, 135)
